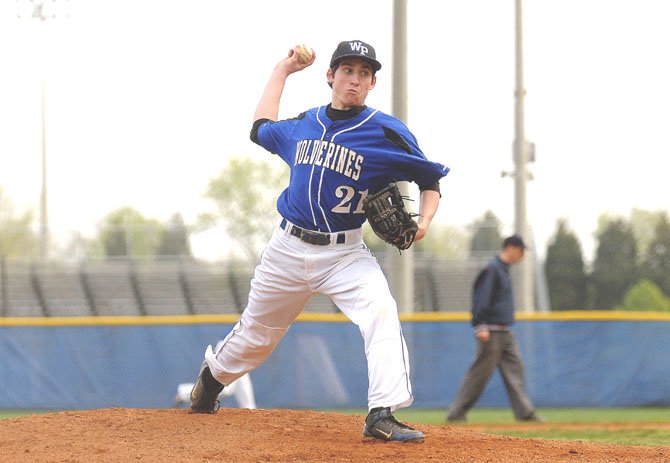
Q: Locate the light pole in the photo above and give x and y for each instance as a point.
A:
(38, 9)
(401, 277)
(523, 154)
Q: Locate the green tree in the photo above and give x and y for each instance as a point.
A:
(644, 223)
(656, 261)
(126, 232)
(615, 266)
(564, 268)
(245, 194)
(175, 238)
(645, 295)
(16, 236)
(486, 238)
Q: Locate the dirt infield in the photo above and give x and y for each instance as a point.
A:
(234, 435)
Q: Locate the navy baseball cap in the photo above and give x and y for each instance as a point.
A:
(514, 240)
(355, 49)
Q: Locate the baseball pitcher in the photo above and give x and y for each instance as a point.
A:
(338, 154)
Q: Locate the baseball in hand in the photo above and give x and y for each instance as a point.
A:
(304, 54)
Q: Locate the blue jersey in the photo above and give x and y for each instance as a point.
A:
(335, 164)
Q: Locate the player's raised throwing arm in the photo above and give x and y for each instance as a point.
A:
(268, 106)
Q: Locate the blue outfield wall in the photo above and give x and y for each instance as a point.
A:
(578, 359)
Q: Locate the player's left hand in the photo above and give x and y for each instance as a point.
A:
(388, 218)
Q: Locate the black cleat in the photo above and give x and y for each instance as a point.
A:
(381, 424)
(205, 392)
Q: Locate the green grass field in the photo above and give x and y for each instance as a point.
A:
(629, 426)
(551, 415)
(8, 414)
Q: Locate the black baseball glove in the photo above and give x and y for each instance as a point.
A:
(388, 217)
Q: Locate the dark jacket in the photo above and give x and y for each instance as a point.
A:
(492, 300)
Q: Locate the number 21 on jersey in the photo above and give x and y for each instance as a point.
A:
(347, 195)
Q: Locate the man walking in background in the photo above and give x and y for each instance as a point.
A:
(492, 317)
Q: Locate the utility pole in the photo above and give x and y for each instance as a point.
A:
(523, 271)
(401, 277)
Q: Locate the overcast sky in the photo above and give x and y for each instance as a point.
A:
(146, 99)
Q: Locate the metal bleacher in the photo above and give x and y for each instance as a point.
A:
(19, 297)
(159, 288)
(211, 290)
(110, 287)
(60, 290)
(183, 286)
(451, 283)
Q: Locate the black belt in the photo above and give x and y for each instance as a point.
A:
(312, 237)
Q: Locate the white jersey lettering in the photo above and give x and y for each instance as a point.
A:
(330, 156)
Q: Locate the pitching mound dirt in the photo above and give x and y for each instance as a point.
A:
(234, 435)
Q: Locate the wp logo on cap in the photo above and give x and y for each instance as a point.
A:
(356, 46)
(355, 49)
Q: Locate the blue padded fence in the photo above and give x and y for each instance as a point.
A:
(321, 364)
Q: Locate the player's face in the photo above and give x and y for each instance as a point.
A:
(352, 80)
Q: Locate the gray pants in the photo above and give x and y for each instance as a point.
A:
(499, 351)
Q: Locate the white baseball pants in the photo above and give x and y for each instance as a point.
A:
(289, 273)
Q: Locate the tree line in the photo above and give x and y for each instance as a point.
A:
(628, 272)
